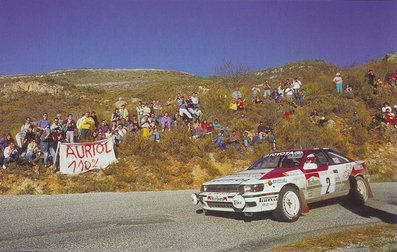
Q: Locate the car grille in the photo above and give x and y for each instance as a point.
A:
(220, 204)
(223, 188)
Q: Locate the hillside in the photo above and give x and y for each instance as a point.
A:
(179, 161)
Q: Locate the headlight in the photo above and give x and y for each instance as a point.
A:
(203, 188)
(251, 188)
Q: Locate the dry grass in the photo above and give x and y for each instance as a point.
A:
(380, 237)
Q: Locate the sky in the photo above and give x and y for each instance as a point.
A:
(194, 36)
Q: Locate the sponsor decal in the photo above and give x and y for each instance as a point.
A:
(289, 154)
(268, 199)
(280, 180)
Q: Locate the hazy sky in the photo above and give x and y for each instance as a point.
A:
(193, 36)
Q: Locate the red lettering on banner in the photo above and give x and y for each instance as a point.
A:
(88, 150)
(73, 163)
(69, 151)
(99, 148)
(82, 154)
(87, 165)
(106, 147)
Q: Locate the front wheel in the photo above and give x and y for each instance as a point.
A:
(289, 206)
(358, 190)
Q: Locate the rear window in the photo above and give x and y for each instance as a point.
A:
(337, 158)
(291, 159)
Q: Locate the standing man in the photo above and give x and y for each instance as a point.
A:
(70, 127)
(43, 124)
(87, 124)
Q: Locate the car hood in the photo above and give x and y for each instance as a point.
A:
(250, 176)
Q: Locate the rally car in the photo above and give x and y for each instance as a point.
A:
(285, 182)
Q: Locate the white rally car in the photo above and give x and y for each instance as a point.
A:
(284, 182)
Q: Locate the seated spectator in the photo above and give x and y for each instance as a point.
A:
(153, 132)
(247, 141)
(219, 140)
(101, 134)
(195, 100)
(237, 94)
(240, 104)
(314, 116)
(183, 105)
(6, 141)
(32, 152)
(390, 118)
(256, 139)
(166, 122)
(349, 89)
(104, 126)
(271, 139)
(115, 116)
(157, 106)
(374, 126)
(258, 100)
(386, 107)
(235, 140)
(206, 127)
(276, 95)
(10, 155)
(233, 105)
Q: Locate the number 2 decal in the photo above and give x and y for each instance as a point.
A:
(328, 181)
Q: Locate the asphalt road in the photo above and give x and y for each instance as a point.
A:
(167, 221)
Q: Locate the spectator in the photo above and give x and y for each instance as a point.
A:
(301, 97)
(235, 141)
(21, 134)
(296, 85)
(56, 127)
(255, 91)
(271, 139)
(386, 107)
(240, 104)
(195, 100)
(258, 100)
(390, 118)
(95, 118)
(44, 123)
(45, 139)
(166, 122)
(371, 78)
(32, 152)
(314, 116)
(394, 79)
(219, 140)
(87, 124)
(123, 112)
(247, 141)
(29, 136)
(10, 155)
(70, 127)
(154, 133)
(288, 92)
(374, 126)
(256, 139)
(236, 94)
(6, 141)
(182, 104)
(267, 91)
(338, 82)
(206, 127)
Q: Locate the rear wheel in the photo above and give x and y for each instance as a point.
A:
(358, 190)
(289, 206)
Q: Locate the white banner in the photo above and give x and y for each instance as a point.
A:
(81, 157)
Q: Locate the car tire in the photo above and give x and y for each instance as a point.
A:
(358, 190)
(289, 206)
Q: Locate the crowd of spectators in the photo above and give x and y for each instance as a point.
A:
(151, 119)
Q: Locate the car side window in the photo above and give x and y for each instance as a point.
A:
(336, 158)
(321, 158)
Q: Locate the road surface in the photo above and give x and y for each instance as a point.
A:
(167, 221)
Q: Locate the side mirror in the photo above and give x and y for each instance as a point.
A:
(310, 166)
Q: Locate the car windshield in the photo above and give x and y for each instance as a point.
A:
(289, 159)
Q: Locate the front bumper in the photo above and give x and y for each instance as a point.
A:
(236, 202)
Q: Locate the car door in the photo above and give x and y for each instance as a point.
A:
(341, 167)
(320, 181)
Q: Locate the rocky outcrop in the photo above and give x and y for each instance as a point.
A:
(33, 86)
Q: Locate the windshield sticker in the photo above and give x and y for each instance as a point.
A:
(289, 154)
